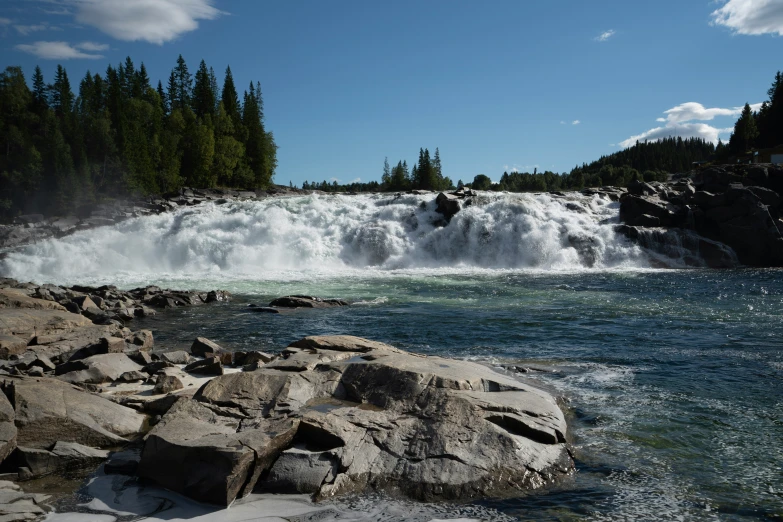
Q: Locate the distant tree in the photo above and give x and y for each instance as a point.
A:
(203, 96)
(745, 132)
(229, 96)
(481, 182)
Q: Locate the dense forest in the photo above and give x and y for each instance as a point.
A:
(119, 135)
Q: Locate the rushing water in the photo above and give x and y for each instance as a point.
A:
(672, 379)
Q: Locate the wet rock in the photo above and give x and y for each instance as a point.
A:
(62, 457)
(447, 204)
(121, 466)
(262, 309)
(305, 301)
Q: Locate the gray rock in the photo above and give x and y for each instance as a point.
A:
(97, 369)
(176, 357)
(202, 346)
(167, 384)
(11, 345)
(132, 376)
(208, 366)
(144, 340)
(302, 471)
(447, 204)
(195, 452)
(49, 410)
(28, 322)
(154, 367)
(375, 417)
(7, 428)
(104, 345)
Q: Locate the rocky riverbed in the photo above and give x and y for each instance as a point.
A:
(325, 416)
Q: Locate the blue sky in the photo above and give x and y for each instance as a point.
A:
(496, 85)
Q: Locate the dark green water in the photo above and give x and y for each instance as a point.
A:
(673, 380)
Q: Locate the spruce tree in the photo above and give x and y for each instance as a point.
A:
(203, 96)
(40, 95)
(183, 84)
(229, 96)
(745, 132)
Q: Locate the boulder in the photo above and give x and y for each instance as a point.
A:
(372, 416)
(244, 358)
(11, 345)
(154, 367)
(132, 376)
(167, 384)
(447, 204)
(144, 340)
(103, 346)
(195, 452)
(208, 366)
(142, 358)
(7, 428)
(306, 301)
(202, 346)
(63, 457)
(176, 357)
(49, 410)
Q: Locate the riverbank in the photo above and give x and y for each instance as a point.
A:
(325, 416)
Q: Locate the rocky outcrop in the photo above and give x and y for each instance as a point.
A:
(720, 208)
(17, 505)
(305, 301)
(48, 410)
(338, 414)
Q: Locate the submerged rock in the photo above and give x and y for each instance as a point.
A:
(306, 301)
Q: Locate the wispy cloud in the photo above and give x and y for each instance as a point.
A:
(92, 46)
(60, 50)
(27, 29)
(153, 21)
(751, 17)
(575, 122)
(605, 35)
(5, 21)
(680, 121)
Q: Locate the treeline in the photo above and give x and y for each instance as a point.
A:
(426, 174)
(119, 135)
(758, 130)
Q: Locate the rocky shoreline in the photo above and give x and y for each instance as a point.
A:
(325, 416)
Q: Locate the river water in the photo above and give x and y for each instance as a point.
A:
(672, 380)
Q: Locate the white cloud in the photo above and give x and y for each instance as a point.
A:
(680, 121)
(154, 21)
(575, 122)
(92, 46)
(356, 180)
(696, 111)
(752, 17)
(27, 29)
(5, 21)
(683, 130)
(605, 35)
(56, 51)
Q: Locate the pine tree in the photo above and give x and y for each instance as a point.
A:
(203, 96)
(229, 96)
(183, 83)
(171, 93)
(40, 95)
(162, 96)
(61, 94)
(142, 83)
(386, 177)
(745, 132)
(213, 86)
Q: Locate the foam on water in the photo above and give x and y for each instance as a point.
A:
(280, 238)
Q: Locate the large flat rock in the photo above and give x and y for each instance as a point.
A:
(29, 322)
(49, 410)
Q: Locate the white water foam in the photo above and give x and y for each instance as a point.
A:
(278, 238)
